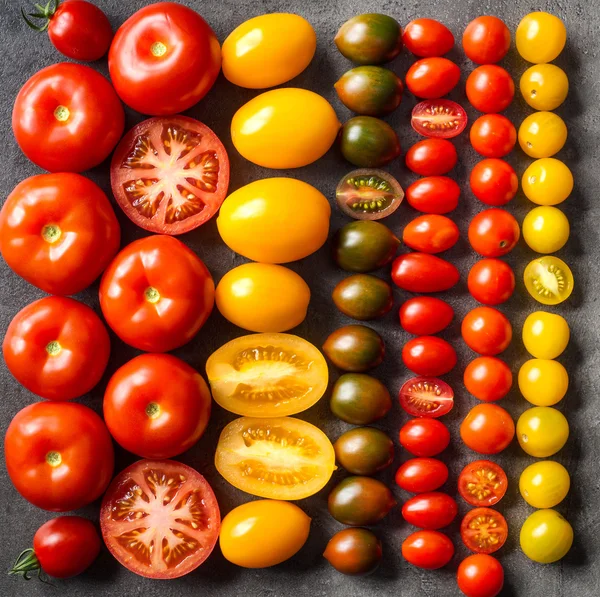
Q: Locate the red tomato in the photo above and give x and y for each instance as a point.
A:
(427, 37)
(430, 233)
(494, 232)
(431, 157)
(156, 294)
(148, 421)
(486, 331)
(488, 378)
(482, 483)
(493, 135)
(67, 118)
(425, 315)
(484, 530)
(421, 475)
(59, 455)
(426, 397)
(439, 118)
(429, 356)
(490, 88)
(163, 505)
(431, 78)
(57, 348)
(420, 272)
(480, 575)
(494, 182)
(433, 510)
(486, 40)
(170, 175)
(424, 437)
(58, 232)
(487, 429)
(164, 59)
(427, 549)
(491, 281)
(433, 195)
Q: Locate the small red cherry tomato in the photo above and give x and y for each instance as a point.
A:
(490, 88)
(426, 397)
(486, 40)
(480, 575)
(482, 483)
(427, 37)
(493, 135)
(494, 232)
(431, 157)
(424, 437)
(427, 549)
(433, 195)
(429, 356)
(484, 530)
(439, 118)
(420, 272)
(433, 510)
(430, 233)
(425, 315)
(431, 78)
(491, 281)
(421, 475)
(486, 331)
(487, 429)
(494, 181)
(488, 378)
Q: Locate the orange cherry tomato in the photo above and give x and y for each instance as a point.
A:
(430, 78)
(430, 233)
(494, 181)
(491, 281)
(490, 88)
(486, 40)
(493, 135)
(486, 331)
(487, 429)
(494, 232)
(488, 378)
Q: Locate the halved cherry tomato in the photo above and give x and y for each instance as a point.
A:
(433, 510)
(429, 356)
(480, 575)
(493, 135)
(549, 280)
(486, 40)
(494, 181)
(427, 37)
(484, 530)
(427, 549)
(160, 519)
(488, 378)
(170, 175)
(487, 429)
(491, 281)
(425, 315)
(431, 78)
(494, 232)
(422, 475)
(439, 118)
(424, 437)
(431, 233)
(426, 397)
(420, 272)
(432, 157)
(490, 88)
(482, 483)
(433, 195)
(486, 331)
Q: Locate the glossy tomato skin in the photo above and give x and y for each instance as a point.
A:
(359, 399)
(433, 510)
(369, 142)
(480, 575)
(491, 281)
(424, 437)
(488, 378)
(164, 59)
(427, 38)
(432, 157)
(156, 294)
(355, 348)
(426, 397)
(67, 118)
(57, 348)
(433, 194)
(432, 78)
(487, 429)
(493, 135)
(364, 450)
(490, 89)
(425, 315)
(439, 118)
(494, 182)
(47, 436)
(429, 356)
(431, 233)
(363, 297)
(494, 232)
(427, 549)
(486, 331)
(486, 40)
(420, 273)
(482, 483)
(353, 551)
(422, 475)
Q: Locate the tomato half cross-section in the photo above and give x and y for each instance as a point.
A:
(160, 519)
(482, 483)
(484, 530)
(170, 175)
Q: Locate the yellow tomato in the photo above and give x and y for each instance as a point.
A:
(547, 181)
(542, 431)
(542, 134)
(546, 536)
(546, 229)
(284, 128)
(263, 533)
(545, 335)
(540, 37)
(543, 382)
(275, 220)
(268, 50)
(544, 484)
(544, 86)
(549, 280)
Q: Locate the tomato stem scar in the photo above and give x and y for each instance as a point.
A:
(152, 295)
(54, 459)
(51, 233)
(62, 113)
(53, 348)
(158, 49)
(153, 410)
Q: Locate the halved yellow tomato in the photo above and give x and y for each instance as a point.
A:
(282, 458)
(548, 280)
(267, 375)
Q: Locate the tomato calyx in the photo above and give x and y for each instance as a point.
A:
(28, 563)
(43, 12)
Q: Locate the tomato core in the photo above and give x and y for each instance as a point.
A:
(54, 458)
(438, 118)
(153, 410)
(152, 295)
(62, 113)
(51, 233)
(158, 49)
(53, 348)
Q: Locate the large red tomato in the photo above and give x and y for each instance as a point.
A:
(58, 231)
(156, 294)
(67, 118)
(164, 59)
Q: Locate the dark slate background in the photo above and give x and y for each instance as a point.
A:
(23, 53)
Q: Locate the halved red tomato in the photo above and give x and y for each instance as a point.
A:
(160, 519)
(484, 530)
(439, 118)
(426, 397)
(482, 483)
(170, 174)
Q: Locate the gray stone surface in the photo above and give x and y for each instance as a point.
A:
(308, 573)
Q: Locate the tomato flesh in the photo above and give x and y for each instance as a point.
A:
(482, 483)
(484, 530)
(440, 118)
(426, 397)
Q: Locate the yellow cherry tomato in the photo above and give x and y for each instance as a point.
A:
(268, 50)
(544, 484)
(546, 536)
(284, 128)
(540, 37)
(546, 229)
(547, 181)
(542, 431)
(544, 86)
(263, 533)
(549, 280)
(543, 382)
(275, 220)
(545, 335)
(542, 134)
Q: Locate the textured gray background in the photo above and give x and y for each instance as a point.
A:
(308, 573)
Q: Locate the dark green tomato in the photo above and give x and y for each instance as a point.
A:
(369, 39)
(370, 90)
(359, 399)
(356, 552)
(354, 348)
(364, 450)
(369, 142)
(360, 501)
(363, 297)
(364, 246)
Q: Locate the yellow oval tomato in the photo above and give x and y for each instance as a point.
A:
(544, 86)
(284, 128)
(268, 50)
(546, 536)
(545, 335)
(275, 220)
(263, 533)
(544, 484)
(267, 375)
(549, 280)
(540, 37)
(547, 181)
(542, 431)
(543, 382)
(546, 229)
(542, 134)
(282, 458)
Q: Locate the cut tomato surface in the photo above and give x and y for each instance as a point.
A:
(439, 118)
(482, 483)
(484, 530)
(426, 397)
